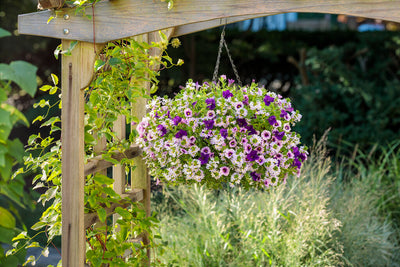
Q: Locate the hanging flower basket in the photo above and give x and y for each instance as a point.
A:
(221, 133)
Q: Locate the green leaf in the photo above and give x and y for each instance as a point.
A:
(57, 51)
(114, 61)
(5, 118)
(124, 213)
(5, 171)
(89, 139)
(51, 121)
(54, 78)
(42, 103)
(16, 149)
(45, 88)
(22, 73)
(53, 90)
(38, 118)
(15, 114)
(22, 235)
(99, 64)
(3, 95)
(7, 220)
(102, 214)
(102, 179)
(109, 191)
(6, 235)
(4, 33)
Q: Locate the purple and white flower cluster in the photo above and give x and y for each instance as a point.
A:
(222, 133)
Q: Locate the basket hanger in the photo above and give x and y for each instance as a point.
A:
(222, 43)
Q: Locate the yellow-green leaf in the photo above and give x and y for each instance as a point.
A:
(102, 214)
(7, 220)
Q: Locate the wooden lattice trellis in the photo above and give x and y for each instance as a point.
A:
(119, 19)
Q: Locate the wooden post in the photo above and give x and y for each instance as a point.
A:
(119, 170)
(77, 71)
(140, 176)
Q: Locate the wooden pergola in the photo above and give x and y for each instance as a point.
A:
(117, 19)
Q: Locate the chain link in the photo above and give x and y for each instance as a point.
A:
(222, 43)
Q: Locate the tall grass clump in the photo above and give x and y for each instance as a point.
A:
(326, 217)
(366, 199)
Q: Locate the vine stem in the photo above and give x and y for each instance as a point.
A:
(51, 242)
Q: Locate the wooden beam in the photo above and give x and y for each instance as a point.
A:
(124, 18)
(77, 72)
(135, 195)
(98, 163)
(201, 26)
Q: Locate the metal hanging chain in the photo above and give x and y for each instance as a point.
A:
(233, 65)
(222, 43)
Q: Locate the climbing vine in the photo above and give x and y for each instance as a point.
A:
(121, 71)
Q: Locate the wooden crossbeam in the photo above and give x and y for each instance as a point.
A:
(135, 195)
(119, 19)
(98, 163)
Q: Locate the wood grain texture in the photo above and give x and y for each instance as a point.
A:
(92, 218)
(98, 163)
(77, 71)
(124, 18)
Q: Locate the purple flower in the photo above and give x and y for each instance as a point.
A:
(206, 150)
(283, 114)
(229, 153)
(181, 133)
(244, 141)
(162, 129)
(156, 116)
(197, 85)
(267, 182)
(209, 124)
(303, 157)
(265, 135)
(223, 76)
(250, 130)
(224, 171)
(233, 143)
(297, 163)
(188, 112)
(194, 103)
(245, 100)
(224, 133)
(210, 103)
(204, 158)
(192, 140)
(296, 151)
(272, 120)
(252, 156)
(247, 148)
(268, 100)
(227, 94)
(211, 114)
(289, 109)
(239, 105)
(279, 135)
(241, 122)
(230, 81)
(176, 120)
(255, 176)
